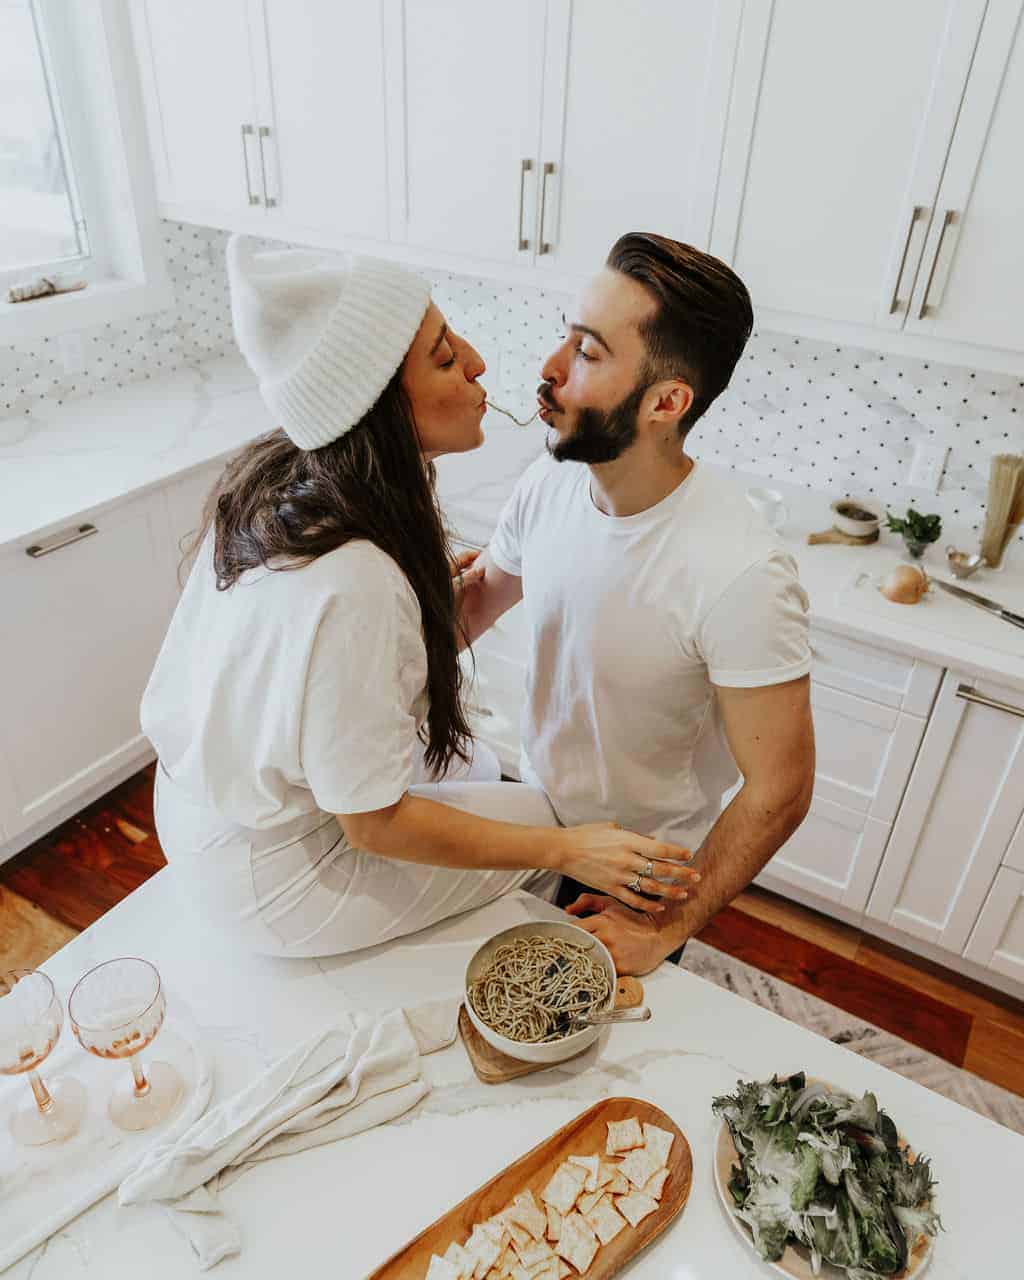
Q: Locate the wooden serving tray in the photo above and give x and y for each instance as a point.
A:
(494, 1067)
(587, 1133)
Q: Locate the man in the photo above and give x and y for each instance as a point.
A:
(669, 629)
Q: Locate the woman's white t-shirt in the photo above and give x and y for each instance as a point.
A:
(293, 691)
(632, 622)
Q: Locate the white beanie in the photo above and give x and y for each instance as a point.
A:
(324, 333)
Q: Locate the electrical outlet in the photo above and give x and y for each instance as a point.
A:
(927, 466)
(71, 354)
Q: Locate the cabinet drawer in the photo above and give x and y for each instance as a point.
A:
(835, 854)
(865, 752)
(891, 679)
(997, 941)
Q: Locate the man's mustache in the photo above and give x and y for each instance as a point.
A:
(544, 396)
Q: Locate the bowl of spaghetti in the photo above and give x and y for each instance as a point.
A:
(525, 986)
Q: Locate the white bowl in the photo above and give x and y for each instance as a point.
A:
(552, 1050)
(855, 528)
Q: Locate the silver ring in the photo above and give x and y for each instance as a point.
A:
(634, 884)
(648, 871)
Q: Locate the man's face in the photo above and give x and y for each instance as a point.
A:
(592, 388)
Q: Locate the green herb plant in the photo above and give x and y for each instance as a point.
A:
(915, 527)
(822, 1169)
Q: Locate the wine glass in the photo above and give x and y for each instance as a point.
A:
(116, 1009)
(30, 1021)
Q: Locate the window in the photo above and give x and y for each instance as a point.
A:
(41, 223)
(77, 196)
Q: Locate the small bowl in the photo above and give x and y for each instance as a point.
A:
(552, 1050)
(846, 524)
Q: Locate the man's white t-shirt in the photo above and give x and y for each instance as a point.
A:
(293, 691)
(632, 621)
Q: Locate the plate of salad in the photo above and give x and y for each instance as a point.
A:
(820, 1183)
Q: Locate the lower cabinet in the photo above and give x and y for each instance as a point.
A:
(962, 805)
(85, 611)
(997, 941)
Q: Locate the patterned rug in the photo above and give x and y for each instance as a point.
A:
(890, 1051)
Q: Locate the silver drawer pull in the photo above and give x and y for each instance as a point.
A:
(919, 212)
(247, 132)
(62, 539)
(549, 169)
(969, 695)
(261, 133)
(525, 167)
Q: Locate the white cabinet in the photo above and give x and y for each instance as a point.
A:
(970, 284)
(83, 621)
(203, 107)
(634, 100)
(472, 92)
(998, 938)
(963, 802)
(185, 499)
(838, 128)
(325, 77)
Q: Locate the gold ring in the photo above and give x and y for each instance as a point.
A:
(634, 884)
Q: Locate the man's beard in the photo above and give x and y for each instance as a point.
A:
(599, 436)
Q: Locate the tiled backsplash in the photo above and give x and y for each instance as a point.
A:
(839, 419)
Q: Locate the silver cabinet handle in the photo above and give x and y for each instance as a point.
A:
(549, 169)
(247, 132)
(947, 219)
(63, 539)
(268, 199)
(919, 211)
(968, 694)
(525, 167)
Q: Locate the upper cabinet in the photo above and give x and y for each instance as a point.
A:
(470, 97)
(634, 97)
(876, 183)
(856, 164)
(202, 106)
(972, 275)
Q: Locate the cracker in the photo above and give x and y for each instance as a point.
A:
(463, 1262)
(484, 1249)
(635, 1207)
(640, 1165)
(658, 1141)
(619, 1185)
(577, 1243)
(605, 1220)
(441, 1269)
(520, 1236)
(536, 1251)
(591, 1164)
(623, 1135)
(564, 1187)
(554, 1222)
(525, 1211)
(605, 1173)
(655, 1185)
(587, 1201)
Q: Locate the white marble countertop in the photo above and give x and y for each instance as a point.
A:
(72, 460)
(341, 1209)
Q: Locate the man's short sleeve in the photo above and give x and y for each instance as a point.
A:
(756, 633)
(505, 546)
(367, 670)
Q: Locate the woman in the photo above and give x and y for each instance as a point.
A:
(309, 682)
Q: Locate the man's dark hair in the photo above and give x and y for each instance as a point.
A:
(702, 321)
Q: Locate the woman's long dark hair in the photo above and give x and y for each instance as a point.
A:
(277, 502)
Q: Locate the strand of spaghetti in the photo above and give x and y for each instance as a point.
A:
(534, 987)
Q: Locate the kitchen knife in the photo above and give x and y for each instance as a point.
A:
(981, 602)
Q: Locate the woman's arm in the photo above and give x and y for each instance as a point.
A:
(599, 854)
(483, 592)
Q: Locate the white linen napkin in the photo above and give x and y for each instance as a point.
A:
(342, 1081)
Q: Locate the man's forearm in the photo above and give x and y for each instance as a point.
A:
(747, 834)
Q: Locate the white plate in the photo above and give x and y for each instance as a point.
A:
(796, 1260)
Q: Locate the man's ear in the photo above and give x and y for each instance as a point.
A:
(673, 399)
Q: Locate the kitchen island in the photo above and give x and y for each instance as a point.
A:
(341, 1209)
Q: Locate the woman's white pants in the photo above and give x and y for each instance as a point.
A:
(302, 890)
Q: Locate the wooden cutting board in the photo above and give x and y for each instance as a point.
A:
(494, 1067)
(583, 1136)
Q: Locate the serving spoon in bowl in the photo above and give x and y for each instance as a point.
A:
(601, 1017)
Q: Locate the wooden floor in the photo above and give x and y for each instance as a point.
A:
(67, 880)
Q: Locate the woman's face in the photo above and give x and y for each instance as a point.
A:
(439, 376)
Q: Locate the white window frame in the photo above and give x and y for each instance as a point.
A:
(97, 77)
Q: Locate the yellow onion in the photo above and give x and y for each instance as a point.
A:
(906, 584)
